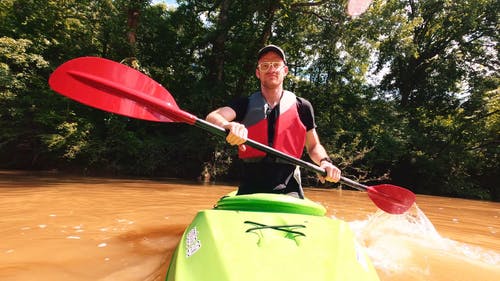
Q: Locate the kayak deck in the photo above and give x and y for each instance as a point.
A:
(264, 202)
(251, 245)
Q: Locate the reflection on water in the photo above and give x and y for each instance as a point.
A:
(73, 228)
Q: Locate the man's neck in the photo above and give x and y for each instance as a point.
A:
(272, 96)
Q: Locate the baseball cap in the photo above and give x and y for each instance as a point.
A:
(272, 48)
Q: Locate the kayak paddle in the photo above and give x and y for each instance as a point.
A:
(117, 88)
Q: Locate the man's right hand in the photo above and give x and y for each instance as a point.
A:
(237, 135)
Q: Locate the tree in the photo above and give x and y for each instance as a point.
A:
(405, 93)
(434, 51)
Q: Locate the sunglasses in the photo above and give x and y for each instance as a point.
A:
(265, 66)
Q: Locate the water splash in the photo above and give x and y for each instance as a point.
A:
(409, 245)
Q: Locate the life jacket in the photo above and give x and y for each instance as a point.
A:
(289, 131)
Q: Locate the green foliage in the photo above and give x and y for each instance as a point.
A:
(19, 107)
(407, 92)
(437, 54)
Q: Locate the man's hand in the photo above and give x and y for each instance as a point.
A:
(332, 172)
(237, 135)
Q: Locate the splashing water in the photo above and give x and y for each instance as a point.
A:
(408, 247)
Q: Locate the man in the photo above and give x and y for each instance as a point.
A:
(277, 118)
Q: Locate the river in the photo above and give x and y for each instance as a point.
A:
(56, 227)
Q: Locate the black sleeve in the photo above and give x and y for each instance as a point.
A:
(306, 113)
(239, 106)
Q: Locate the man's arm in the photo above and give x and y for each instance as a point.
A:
(318, 154)
(223, 117)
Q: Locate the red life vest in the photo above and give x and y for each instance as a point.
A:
(289, 133)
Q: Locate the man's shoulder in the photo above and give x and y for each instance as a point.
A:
(306, 113)
(239, 105)
(303, 102)
(238, 101)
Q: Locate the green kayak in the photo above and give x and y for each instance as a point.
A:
(268, 237)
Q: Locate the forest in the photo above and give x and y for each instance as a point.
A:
(406, 93)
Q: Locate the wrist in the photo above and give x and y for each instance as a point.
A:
(327, 159)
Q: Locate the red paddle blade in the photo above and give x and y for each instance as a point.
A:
(114, 87)
(391, 198)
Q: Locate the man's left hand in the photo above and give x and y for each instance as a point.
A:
(332, 172)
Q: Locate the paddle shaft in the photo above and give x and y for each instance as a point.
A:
(290, 159)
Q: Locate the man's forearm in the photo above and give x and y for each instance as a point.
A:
(216, 119)
(317, 153)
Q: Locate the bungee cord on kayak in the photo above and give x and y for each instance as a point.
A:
(284, 228)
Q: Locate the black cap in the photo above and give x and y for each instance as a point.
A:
(271, 48)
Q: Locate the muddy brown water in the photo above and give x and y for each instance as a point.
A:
(55, 227)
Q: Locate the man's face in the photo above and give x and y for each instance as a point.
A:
(271, 70)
